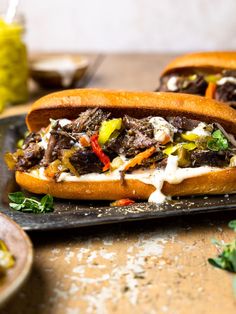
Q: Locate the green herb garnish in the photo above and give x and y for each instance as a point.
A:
(232, 225)
(227, 257)
(217, 141)
(31, 205)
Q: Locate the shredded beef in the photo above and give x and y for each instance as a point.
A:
(227, 73)
(49, 151)
(88, 121)
(197, 86)
(183, 123)
(226, 93)
(32, 152)
(163, 83)
(58, 141)
(31, 138)
(142, 125)
(136, 137)
(209, 158)
(32, 156)
(85, 161)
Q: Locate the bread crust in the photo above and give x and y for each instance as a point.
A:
(214, 60)
(217, 182)
(69, 103)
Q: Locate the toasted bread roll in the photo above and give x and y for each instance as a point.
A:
(210, 74)
(70, 103)
(170, 178)
(213, 61)
(218, 182)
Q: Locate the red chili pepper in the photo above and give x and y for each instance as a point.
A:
(99, 152)
(123, 202)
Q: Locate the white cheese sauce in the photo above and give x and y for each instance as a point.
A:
(63, 122)
(45, 138)
(162, 128)
(171, 174)
(200, 130)
(172, 84)
(224, 80)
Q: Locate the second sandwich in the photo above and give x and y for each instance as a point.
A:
(210, 74)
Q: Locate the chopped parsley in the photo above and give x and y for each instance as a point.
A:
(217, 141)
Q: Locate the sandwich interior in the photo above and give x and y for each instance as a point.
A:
(219, 84)
(97, 147)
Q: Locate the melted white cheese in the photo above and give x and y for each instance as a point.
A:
(224, 80)
(172, 84)
(45, 135)
(63, 122)
(173, 175)
(200, 130)
(162, 128)
(156, 177)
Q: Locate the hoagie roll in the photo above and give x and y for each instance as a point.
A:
(106, 145)
(210, 74)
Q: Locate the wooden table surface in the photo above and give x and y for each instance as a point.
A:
(144, 267)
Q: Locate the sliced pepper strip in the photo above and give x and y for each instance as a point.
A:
(66, 154)
(53, 168)
(7, 259)
(210, 91)
(84, 141)
(107, 129)
(99, 152)
(137, 160)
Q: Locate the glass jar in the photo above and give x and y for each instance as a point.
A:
(13, 63)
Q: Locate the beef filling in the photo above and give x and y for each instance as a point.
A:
(226, 93)
(88, 121)
(136, 137)
(31, 157)
(85, 161)
(183, 123)
(58, 141)
(31, 138)
(209, 158)
(185, 84)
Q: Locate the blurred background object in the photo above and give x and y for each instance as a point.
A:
(129, 25)
(62, 71)
(13, 60)
(74, 29)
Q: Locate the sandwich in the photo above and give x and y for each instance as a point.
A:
(210, 74)
(95, 144)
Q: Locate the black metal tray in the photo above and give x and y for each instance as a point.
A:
(73, 214)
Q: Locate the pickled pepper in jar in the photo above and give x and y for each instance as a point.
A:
(13, 64)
